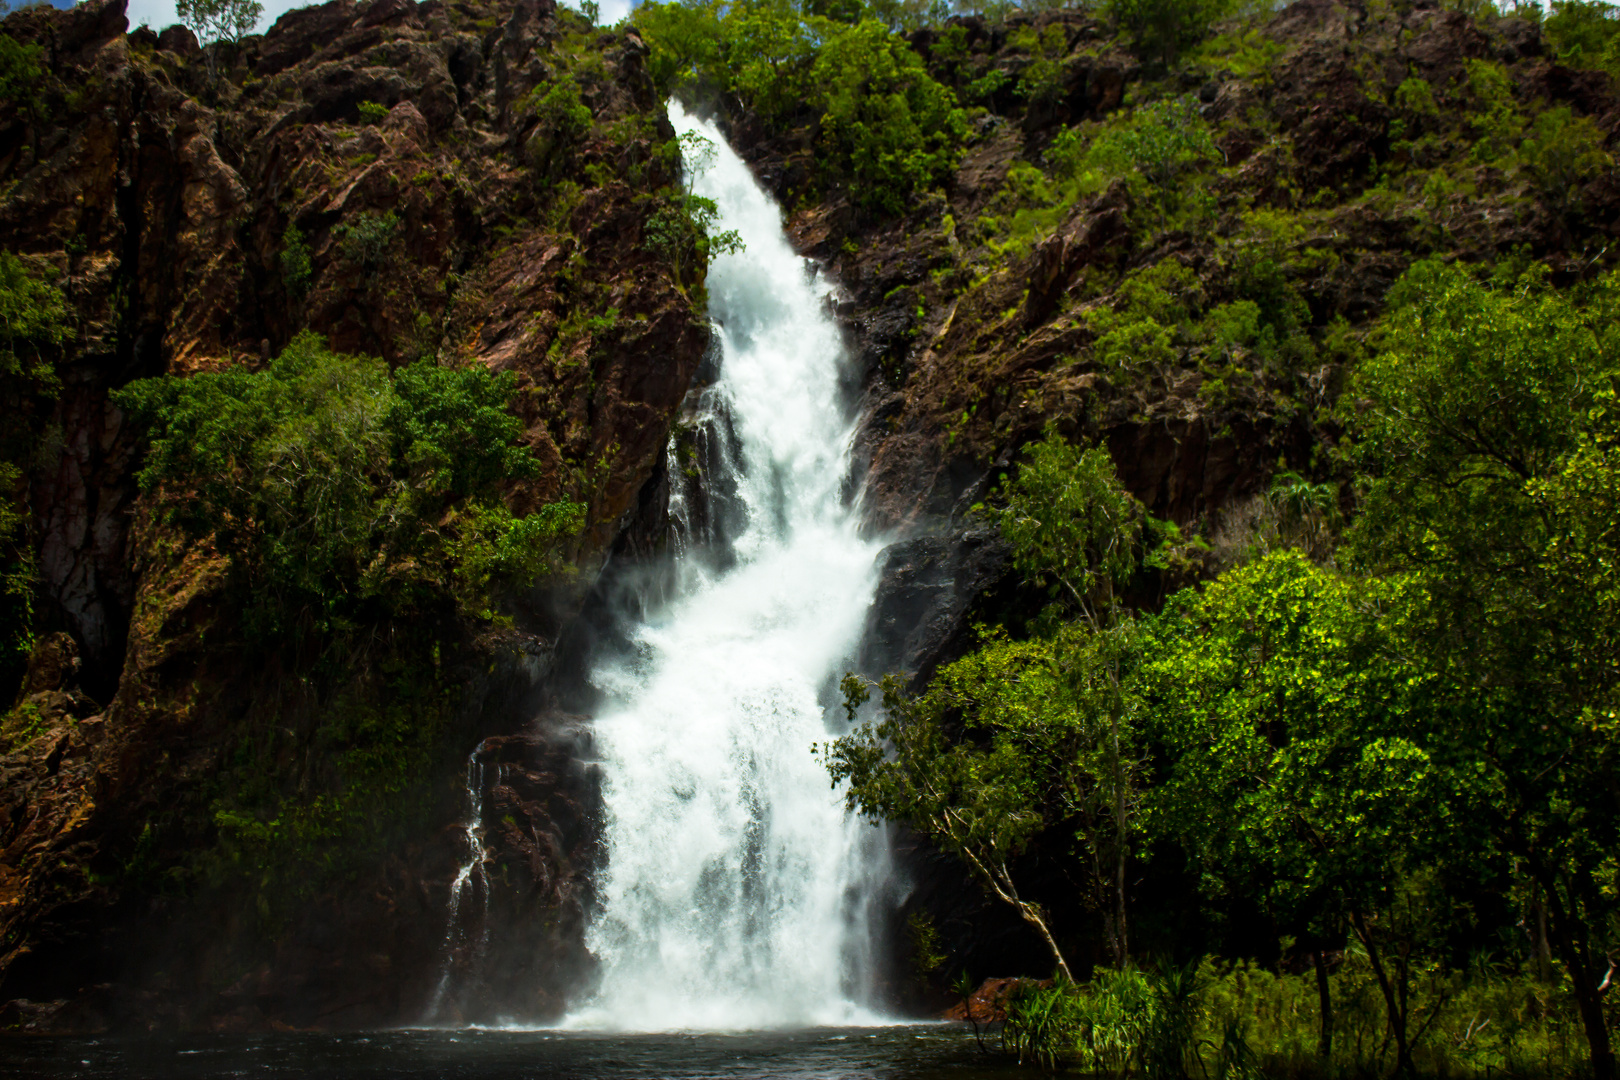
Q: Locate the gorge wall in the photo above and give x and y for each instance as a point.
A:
(159, 184)
(161, 197)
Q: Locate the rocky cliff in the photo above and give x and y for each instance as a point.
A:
(1196, 312)
(162, 188)
(1347, 141)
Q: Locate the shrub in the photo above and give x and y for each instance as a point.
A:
(890, 129)
(365, 240)
(21, 76)
(1156, 143)
(1561, 153)
(1042, 79)
(371, 112)
(1494, 116)
(343, 494)
(1162, 28)
(33, 319)
(296, 266)
(562, 109)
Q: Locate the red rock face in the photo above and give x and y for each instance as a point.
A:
(162, 196)
(988, 1004)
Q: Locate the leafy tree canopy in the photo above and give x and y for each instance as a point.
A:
(344, 493)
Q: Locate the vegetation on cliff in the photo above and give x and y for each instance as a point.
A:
(1406, 744)
(1367, 709)
(1360, 747)
(344, 494)
(373, 344)
(34, 324)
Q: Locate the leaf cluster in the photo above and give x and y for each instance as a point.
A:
(888, 128)
(344, 494)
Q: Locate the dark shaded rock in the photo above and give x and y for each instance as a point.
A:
(928, 586)
(1096, 234)
(180, 41)
(521, 943)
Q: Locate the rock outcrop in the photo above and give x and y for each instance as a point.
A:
(384, 174)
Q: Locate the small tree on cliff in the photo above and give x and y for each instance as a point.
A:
(219, 20)
(1021, 736)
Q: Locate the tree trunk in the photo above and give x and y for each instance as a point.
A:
(1032, 915)
(994, 874)
(1392, 1006)
(1119, 853)
(1543, 945)
(1324, 998)
(1569, 939)
(1119, 825)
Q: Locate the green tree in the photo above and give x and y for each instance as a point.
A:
(344, 494)
(1163, 28)
(681, 230)
(1074, 530)
(219, 20)
(1293, 768)
(1488, 443)
(1048, 724)
(1584, 33)
(760, 50)
(1561, 152)
(1015, 745)
(979, 803)
(890, 129)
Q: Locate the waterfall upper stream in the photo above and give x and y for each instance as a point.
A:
(736, 891)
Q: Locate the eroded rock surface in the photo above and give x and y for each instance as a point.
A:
(165, 185)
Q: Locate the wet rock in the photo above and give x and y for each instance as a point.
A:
(926, 591)
(988, 1004)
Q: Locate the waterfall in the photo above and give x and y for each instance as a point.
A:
(462, 943)
(735, 891)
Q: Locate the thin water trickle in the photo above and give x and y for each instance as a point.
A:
(736, 893)
(462, 942)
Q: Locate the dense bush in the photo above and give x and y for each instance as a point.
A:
(1233, 1020)
(34, 325)
(890, 128)
(344, 494)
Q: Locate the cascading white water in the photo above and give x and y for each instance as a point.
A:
(473, 878)
(735, 888)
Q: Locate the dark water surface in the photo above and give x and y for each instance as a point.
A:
(916, 1052)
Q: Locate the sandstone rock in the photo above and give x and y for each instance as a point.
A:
(163, 196)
